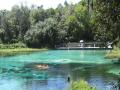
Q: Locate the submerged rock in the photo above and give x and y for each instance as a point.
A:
(42, 66)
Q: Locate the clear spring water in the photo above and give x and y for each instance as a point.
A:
(19, 72)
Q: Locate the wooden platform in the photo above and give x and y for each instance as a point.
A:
(83, 46)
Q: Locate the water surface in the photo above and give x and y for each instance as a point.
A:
(20, 73)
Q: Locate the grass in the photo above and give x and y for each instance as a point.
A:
(114, 54)
(10, 52)
(81, 85)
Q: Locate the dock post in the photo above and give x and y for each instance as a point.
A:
(94, 45)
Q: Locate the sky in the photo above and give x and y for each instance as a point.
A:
(7, 4)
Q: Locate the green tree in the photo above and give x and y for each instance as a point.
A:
(37, 14)
(42, 34)
(107, 19)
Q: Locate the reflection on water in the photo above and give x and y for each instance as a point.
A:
(49, 84)
(55, 78)
(31, 78)
(17, 73)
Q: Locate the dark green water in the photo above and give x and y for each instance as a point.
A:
(20, 73)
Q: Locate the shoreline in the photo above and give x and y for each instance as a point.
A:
(114, 54)
(15, 51)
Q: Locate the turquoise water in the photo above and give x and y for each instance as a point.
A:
(20, 73)
(62, 56)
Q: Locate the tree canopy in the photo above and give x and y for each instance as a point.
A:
(96, 20)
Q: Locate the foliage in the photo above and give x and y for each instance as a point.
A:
(11, 52)
(114, 54)
(89, 20)
(42, 33)
(107, 19)
(12, 46)
(81, 85)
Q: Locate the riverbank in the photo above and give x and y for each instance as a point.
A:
(81, 85)
(114, 54)
(10, 52)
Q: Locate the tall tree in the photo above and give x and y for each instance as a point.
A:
(107, 19)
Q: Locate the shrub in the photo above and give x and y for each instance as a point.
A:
(81, 85)
(118, 44)
(12, 46)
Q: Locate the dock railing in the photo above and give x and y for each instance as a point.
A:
(83, 45)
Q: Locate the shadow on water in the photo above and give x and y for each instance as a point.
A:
(116, 86)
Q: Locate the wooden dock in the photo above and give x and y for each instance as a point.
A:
(84, 46)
